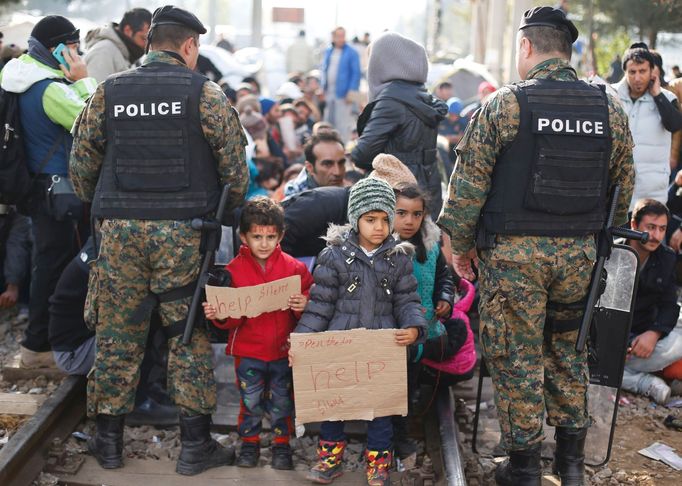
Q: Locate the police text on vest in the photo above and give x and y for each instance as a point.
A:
(135, 110)
(569, 126)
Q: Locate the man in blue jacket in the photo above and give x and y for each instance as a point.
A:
(341, 70)
(51, 95)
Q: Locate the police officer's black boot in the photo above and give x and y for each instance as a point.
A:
(198, 450)
(523, 468)
(569, 456)
(107, 443)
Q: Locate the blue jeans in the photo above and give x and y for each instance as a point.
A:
(264, 386)
(637, 375)
(379, 433)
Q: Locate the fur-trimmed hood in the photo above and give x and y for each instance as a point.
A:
(430, 233)
(338, 234)
(354, 291)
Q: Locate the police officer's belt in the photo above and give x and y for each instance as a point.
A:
(553, 325)
(152, 301)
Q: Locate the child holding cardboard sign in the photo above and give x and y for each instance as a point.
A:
(363, 279)
(259, 344)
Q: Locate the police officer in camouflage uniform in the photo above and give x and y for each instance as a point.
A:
(529, 191)
(151, 150)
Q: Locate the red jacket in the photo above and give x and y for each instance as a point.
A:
(263, 337)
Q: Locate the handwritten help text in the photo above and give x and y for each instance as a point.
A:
(254, 300)
(357, 374)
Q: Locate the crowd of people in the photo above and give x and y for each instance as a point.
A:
(130, 142)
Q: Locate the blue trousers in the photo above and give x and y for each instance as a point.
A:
(379, 433)
(264, 386)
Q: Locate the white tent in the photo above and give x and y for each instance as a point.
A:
(20, 25)
(17, 34)
(465, 76)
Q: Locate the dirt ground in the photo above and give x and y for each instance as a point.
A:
(639, 425)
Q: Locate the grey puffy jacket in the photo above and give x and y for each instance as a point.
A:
(353, 291)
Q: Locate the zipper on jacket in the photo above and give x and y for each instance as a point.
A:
(384, 285)
(354, 285)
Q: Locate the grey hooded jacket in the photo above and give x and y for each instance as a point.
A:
(106, 53)
(353, 291)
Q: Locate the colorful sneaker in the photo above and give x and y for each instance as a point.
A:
(329, 462)
(378, 464)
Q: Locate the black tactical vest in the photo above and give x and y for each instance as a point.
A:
(553, 178)
(157, 165)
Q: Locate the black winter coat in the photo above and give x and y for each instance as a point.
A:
(355, 291)
(307, 216)
(403, 121)
(656, 306)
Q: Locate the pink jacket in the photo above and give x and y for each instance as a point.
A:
(465, 359)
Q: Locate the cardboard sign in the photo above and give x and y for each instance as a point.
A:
(358, 374)
(255, 300)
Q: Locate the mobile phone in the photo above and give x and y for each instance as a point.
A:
(59, 56)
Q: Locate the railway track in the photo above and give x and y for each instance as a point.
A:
(28, 451)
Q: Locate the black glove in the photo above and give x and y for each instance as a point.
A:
(443, 347)
(457, 335)
(446, 346)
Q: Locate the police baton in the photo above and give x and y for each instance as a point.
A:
(213, 230)
(598, 283)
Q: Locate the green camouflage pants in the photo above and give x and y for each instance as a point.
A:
(517, 278)
(137, 257)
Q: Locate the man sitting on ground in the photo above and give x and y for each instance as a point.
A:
(655, 340)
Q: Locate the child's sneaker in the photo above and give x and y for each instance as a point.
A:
(378, 463)
(329, 462)
(248, 455)
(281, 457)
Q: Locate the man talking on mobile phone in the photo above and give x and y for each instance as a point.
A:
(651, 112)
(51, 95)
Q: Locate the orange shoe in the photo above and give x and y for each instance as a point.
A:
(674, 371)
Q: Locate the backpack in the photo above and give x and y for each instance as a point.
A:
(15, 180)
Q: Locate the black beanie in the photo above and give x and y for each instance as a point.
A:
(55, 29)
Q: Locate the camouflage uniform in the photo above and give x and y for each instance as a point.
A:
(522, 273)
(139, 256)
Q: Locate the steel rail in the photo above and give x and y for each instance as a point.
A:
(25, 454)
